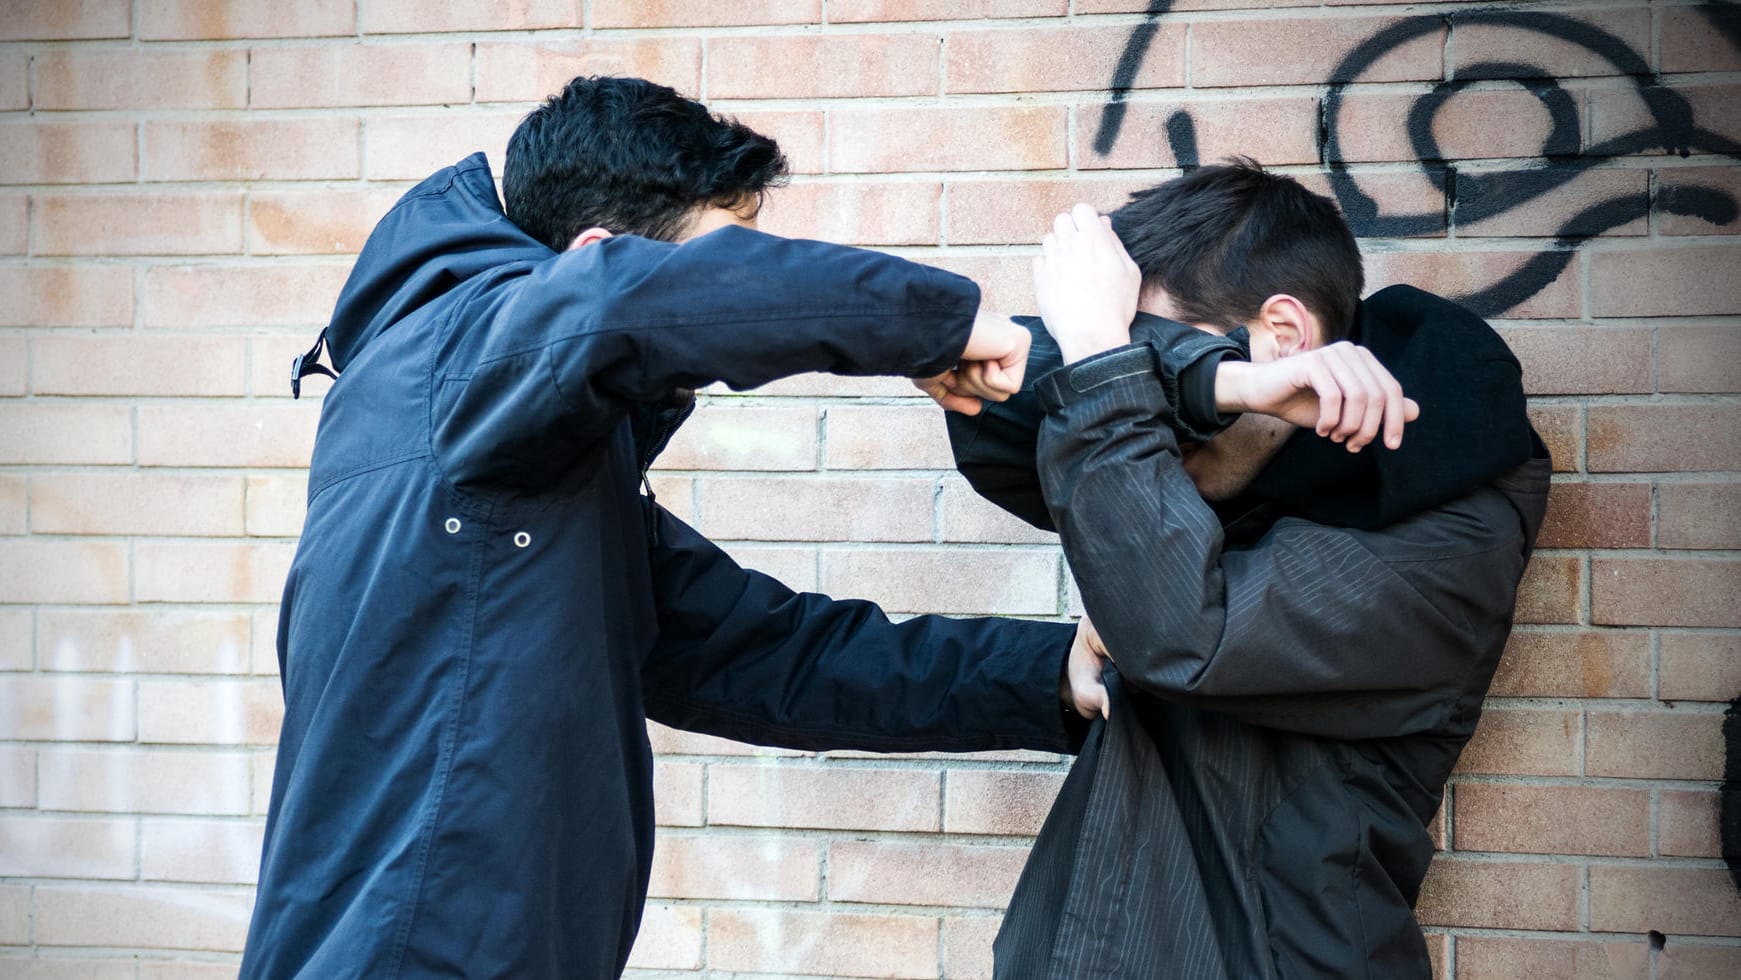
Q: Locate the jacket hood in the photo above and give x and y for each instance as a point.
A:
(444, 231)
(1473, 429)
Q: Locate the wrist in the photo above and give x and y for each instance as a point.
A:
(1230, 378)
(1076, 349)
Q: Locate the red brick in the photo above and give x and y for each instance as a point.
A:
(887, 438)
(66, 364)
(1471, 125)
(1691, 43)
(1610, 360)
(16, 629)
(671, 741)
(1275, 130)
(1003, 802)
(816, 66)
(37, 151)
(66, 296)
(14, 81)
(14, 505)
(1554, 213)
(817, 384)
(1685, 901)
(1654, 744)
(1664, 438)
(138, 224)
(258, 295)
(305, 148)
(1233, 53)
(65, 432)
(1597, 515)
(1141, 6)
(800, 135)
(1507, 958)
(1533, 820)
(859, 213)
(65, 968)
(133, 780)
(517, 72)
(717, 866)
(445, 16)
(413, 147)
(1698, 667)
(150, 918)
(1552, 590)
(1545, 52)
(833, 798)
(205, 712)
(276, 505)
(674, 493)
(135, 503)
(17, 778)
(134, 79)
(830, 509)
(1005, 583)
(722, 436)
(964, 515)
(967, 946)
(1689, 962)
(793, 567)
(1504, 894)
(65, 20)
(834, 944)
(1616, 114)
(1672, 191)
(1064, 58)
(324, 222)
(1582, 664)
(64, 709)
(1562, 430)
(199, 20)
(1464, 273)
(1418, 194)
(14, 224)
(202, 851)
(359, 74)
(33, 846)
(888, 873)
(860, 11)
(160, 641)
(952, 138)
(703, 13)
(1523, 742)
(1699, 359)
(1666, 282)
(670, 939)
(1006, 282)
(1020, 212)
(679, 794)
(211, 571)
(1699, 515)
(1687, 824)
(15, 915)
(1665, 592)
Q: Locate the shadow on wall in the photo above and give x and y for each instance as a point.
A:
(1473, 197)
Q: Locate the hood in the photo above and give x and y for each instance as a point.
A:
(1473, 429)
(441, 233)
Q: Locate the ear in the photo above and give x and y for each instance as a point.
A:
(1291, 327)
(587, 237)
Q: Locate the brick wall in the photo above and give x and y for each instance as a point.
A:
(183, 183)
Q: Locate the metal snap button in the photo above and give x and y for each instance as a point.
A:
(522, 539)
(452, 525)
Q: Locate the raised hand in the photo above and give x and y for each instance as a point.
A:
(1340, 391)
(1086, 284)
(992, 366)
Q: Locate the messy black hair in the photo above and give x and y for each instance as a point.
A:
(632, 157)
(1222, 239)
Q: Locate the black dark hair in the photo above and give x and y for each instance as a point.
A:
(633, 157)
(1222, 239)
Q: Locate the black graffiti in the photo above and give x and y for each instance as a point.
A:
(1474, 197)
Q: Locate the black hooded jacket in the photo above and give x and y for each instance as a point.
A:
(1295, 676)
(483, 611)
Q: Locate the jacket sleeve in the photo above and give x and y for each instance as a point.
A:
(741, 656)
(1308, 629)
(534, 366)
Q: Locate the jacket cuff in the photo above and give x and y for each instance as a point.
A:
(1072, 382)
(1188, 368)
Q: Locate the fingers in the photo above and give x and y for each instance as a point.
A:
(1087, 692)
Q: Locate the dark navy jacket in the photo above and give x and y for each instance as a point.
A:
(484, 611)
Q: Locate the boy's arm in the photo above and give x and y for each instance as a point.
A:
(741, 656)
